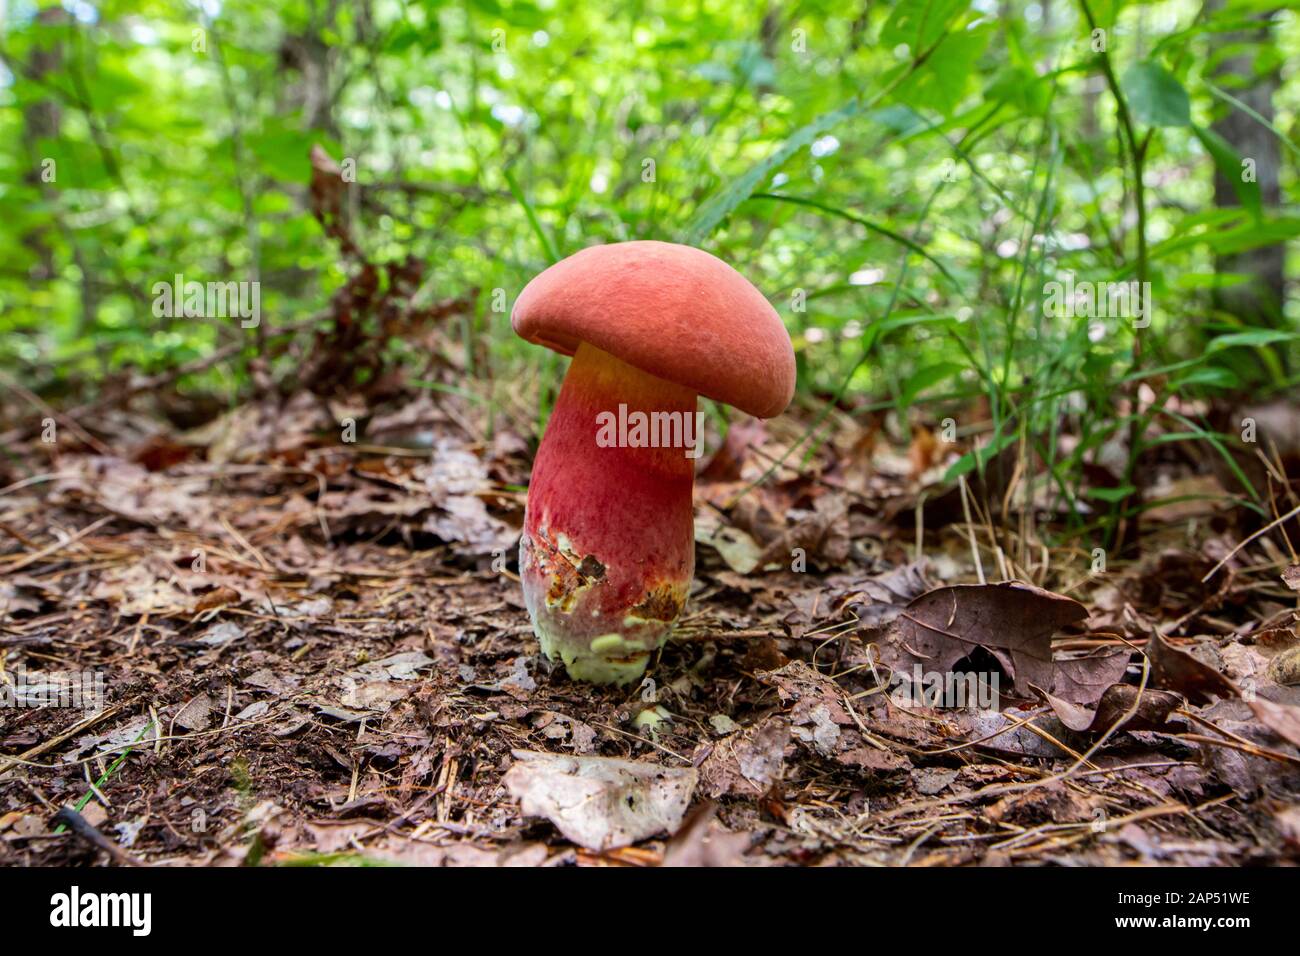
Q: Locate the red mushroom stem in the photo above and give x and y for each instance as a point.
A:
(608, 547)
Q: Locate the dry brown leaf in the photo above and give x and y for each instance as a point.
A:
(703, 841)
(218, 597)
(1013, 621)
(1176, 670)
(746, 763)
(1282, 719)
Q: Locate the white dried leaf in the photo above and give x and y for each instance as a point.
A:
(601, 802)
(218, 635)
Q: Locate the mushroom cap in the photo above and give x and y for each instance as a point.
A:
(673, 311)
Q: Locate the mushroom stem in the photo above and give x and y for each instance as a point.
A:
(608, 546)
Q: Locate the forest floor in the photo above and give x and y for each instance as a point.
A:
(313, 651)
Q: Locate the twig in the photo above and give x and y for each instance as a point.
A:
(60, 738)
(970, 529)
(58, 545)
(1264, 530)
(83, 828)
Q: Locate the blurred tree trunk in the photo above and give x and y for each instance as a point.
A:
(308, 54)
(42, 123)
(41, 120)
(1259, 301)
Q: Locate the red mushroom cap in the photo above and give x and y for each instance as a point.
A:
(673, 311)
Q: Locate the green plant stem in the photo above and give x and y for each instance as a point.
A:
(112, 768)
(1137, 154)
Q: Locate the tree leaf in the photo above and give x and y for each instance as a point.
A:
(601, 802)
(918, 23)
(721, 203)
(1251, 338)
(1214, 376)
(981, 456)
(940, 82)
(1155, 95)
(1228, 160)
(928, 377)
(1110, 495)
(1014, 621)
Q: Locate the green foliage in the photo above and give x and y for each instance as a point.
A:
(1156, 96)
(902, 180)
(1228, 161)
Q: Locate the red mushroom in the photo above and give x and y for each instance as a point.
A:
(608, 550)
